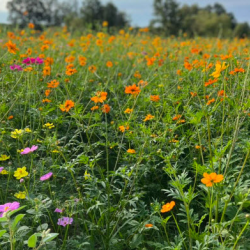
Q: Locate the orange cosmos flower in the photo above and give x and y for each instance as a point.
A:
(210, 101)
(154, 98)
(149, 225)
(69, 59)
(70, 71)
(53, 84)
(10, 117)
(46, 71)
(193, 94)
(210, 179)
(94, 108)
(128, 111)
(48, 61)
(106, 108)
(222, 93)
(105, 23)
(100, 97)
(31, 25)
(131, 151)
(167, 207)
(92, 68)
(210, 82)
(109, 64)
(47, 92)
(177, 117)
(148, 117)
(123, 128)
(46, 100)
(11, 47)
(67, 105)
(133, 90)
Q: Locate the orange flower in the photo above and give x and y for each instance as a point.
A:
(210, 179)
(193, 94)
(67, 105)
(106, 108)
(100, 97)
(148, 117)
(177, 117)
(92, 68)
(70, 71)
(210, 101)
(128, 111)
(131, 151)
(105, 23)
(188, 66)
(109, 64)
(149, 225)
(46, 71)
(11, 47)
(46, 100)
(123, 128)
(69, 59)
(48, 61)
(10, 117)
(154, 98)
(178, 72)
(167, 207)
(222, 93)
(47, 92)
(133, 90)
(94, 108)
(31, 25)
(53, 84)
(210, 82)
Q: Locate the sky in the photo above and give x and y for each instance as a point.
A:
(141, 11)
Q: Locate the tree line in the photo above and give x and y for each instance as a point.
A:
(170, 18)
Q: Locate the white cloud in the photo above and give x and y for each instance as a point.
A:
(3, 4)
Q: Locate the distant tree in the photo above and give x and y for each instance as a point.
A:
(242, 30)
(93, 12)
(38, 12)
(218, 9)
(167, 16)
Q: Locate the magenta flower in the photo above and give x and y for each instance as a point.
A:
(8, 207)
(57, 210)
(16, 67)
(21, 180)
(32, 60)
(46, 176)
(1, 169)
(29, 150)
(65, 221)
(39, 60)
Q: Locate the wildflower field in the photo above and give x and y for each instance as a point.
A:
(123, 141)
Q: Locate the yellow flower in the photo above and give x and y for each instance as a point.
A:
(131, 151)
(4, 172)
(128, 111)
(4, 157)
(48, 125)
(27, 130)
(86, 175)
(16, 133)
(55, 151)
(20, 172)
(218, 69)
(20, 195)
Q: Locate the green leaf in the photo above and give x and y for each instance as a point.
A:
(50, 237)
(166, 220)
(16, 220)
(32, 240)
(3, 219)
(2, 232)
(42, 227)
(14, 211)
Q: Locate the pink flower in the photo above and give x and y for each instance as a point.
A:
(65, 221)
(8, 207)
(46, 176)
(32, 60)
(16, 67)
(21, 180)
(1, 169)
(29, 150)
(58, 210)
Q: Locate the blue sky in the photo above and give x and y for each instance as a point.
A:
(141, 11)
